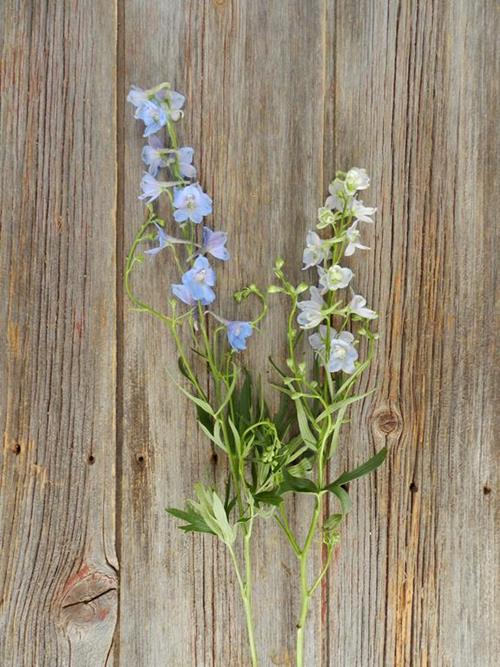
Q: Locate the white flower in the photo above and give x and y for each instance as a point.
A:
(356, 179)
(337, 196)
(316, 250)
(317, 340)
(353, 235)
(311, 314)
(362, 212)
(357, 306)
(336, 277)
(325, 217)
(342, 353)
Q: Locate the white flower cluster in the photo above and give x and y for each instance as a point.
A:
(342, 212)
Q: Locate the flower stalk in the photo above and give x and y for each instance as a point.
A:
(270, 455)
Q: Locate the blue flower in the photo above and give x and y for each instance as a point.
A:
(199, 280)
(163, 241)
(185, 159)
(153, 114)
(152, 189)
(175, 102)
(154, 155)
(137, 96)
(237, 333)
(214, 243)
(191, 204)
(183, 293)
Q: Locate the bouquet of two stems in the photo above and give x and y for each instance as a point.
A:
(270, 453)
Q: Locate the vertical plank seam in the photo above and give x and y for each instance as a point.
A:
(324, 618)
(119, 251)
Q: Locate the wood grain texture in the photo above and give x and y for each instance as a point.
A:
(411, 94)
(57, 566)
(279, 96)
(256, 143)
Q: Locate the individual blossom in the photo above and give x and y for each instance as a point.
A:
(337, 199)
(191, 203)
(152, 188)
(237, 334)
(356, 179)
(174, 102)
(316, 250)
(362, 212)
(184, 161)
(214, 243)
(343, 354)
(311, 310)
(138, 96)
(154, 116)
(357, 306)
(334, 278)
(199, 280)
(154, 155)
(164, 240)
(325, 217)
(183, 294)
(317, 341)
(353, 235)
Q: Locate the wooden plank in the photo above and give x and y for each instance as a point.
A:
(57, 321)
(253, 76)
(411, 91)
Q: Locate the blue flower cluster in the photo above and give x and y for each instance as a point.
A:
(158, 108)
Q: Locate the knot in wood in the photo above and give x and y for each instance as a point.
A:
(387, 421)
(90, 596)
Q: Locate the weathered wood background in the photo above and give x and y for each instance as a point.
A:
(96, 442)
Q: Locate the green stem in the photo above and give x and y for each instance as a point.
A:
(305, 592)
(246, 592)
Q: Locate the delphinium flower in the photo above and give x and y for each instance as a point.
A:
(214, 243)
(321, 395)
(154, 116)
(361, 212)
(353, 235)
(357, 305)
(334, 278)
(237, 334)
(153, 188)
(156, 157)
(164, 240)
(199, 281)
(316, 250)
(191, 203)
(159, 108)
(356, 179)
(311, 310)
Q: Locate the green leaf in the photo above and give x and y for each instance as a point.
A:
(335, 407)
(342, 495)
(244, 400)
(305, 431)
(268, 497)
(297, 484)
(195, 523)
(364, 469)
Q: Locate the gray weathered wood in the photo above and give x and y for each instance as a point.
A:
(58, 599)
(412, 90)
(279, 96)
(257, 134)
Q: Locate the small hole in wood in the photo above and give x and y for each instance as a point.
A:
(486, 490)
(140, 458)
(91, 459)
(214, 458)
(413, 487)
(16, 449)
